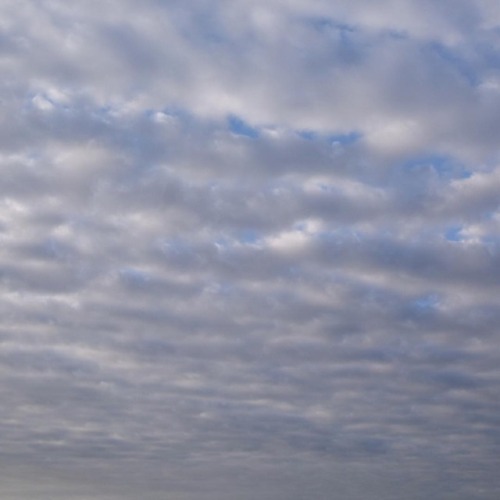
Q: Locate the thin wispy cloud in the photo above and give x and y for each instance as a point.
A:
(249, 249)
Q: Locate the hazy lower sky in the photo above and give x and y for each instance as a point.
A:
(249, 249)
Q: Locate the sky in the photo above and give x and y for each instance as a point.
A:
(249, 249)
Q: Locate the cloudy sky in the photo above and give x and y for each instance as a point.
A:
(249, 249)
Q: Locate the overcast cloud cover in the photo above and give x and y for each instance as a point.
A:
(249, 249)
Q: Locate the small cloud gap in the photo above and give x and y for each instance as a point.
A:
(453, 233)
(238, 126)
(344, 139)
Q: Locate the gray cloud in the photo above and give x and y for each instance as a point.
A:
(249, 248)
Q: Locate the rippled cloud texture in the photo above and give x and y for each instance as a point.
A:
(249, 249)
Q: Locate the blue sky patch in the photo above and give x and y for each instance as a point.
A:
(453, 233)
(238, 126)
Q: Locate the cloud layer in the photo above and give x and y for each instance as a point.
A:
(249, 249)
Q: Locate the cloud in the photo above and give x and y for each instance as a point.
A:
(249, 248)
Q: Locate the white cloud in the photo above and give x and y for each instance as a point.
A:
(193, 308)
